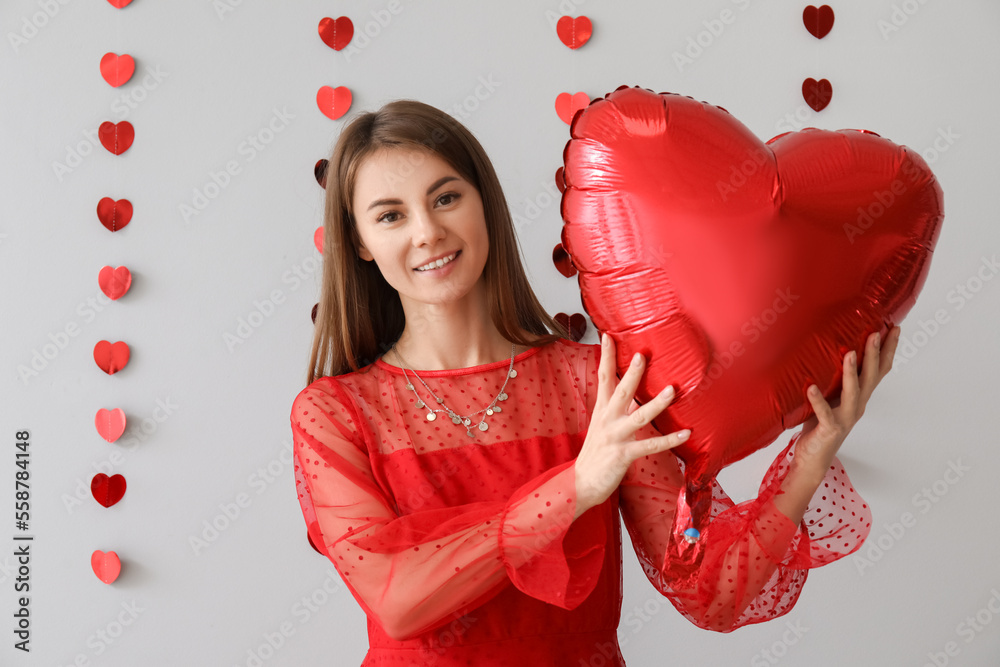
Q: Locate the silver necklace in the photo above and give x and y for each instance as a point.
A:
(464, 420)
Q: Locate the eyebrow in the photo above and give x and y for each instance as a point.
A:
(434, 186)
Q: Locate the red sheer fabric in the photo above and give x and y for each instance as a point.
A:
(463, 551)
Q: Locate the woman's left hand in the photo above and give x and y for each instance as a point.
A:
(824, 432)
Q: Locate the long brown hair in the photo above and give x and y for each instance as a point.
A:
(360, 315)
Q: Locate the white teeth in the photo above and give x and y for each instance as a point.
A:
(438, 263)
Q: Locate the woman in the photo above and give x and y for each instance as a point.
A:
(471, 505)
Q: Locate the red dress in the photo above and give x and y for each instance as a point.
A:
(463, 551)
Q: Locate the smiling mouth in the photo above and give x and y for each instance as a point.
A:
(438, 264)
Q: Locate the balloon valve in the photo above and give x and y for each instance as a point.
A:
(691, 535)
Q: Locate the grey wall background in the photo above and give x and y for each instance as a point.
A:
(209, 420)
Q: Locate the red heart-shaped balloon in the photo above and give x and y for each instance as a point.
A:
(114, 281)
(110, 423)
(106, 566)
(567, 105)
(336, 33)
(111, 358)
(783, 256)
(574, 32)
(333, 102)
(114, 215)
(116, 137)
(107, 490)
(817, 94)
(117, 70)
(818, 21)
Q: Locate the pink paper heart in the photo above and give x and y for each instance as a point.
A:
(114, 282)
(107, 566)
(110, 423)
(333, 102)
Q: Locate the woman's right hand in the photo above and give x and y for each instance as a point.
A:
(610, 446)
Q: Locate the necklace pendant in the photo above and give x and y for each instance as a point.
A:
(470, 434)
(420, 403)
(483, 426)
(455, 419)
(431, 416)
(466, 421)
(502, 396)
(489, 411)
(409, 385)
(440, 400)
(496, 408)
(512, 374)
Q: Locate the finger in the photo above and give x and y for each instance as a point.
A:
(824, 414)
(606, 369)
(639, 448)
(850, 392)
(618, 403)
(889, 350)
(648, 412)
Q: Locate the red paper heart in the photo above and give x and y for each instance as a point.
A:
(333, 102)
(575, 324)
(114, 282)
(315, 309)
(110, 423)
(116, 137)
(817, 94)
(106, 566)
(319, 171)
(111, 358)
(783, 256)
(567, 105)
(117, 70)
(119, 3)
(574, 32)
(562, 261)
(114, 215)
(559, 180)
(336, 33)
(107, 490)
(818, 21)
(318, 239)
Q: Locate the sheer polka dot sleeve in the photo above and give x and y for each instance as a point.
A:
(755, 559)
(415, 571)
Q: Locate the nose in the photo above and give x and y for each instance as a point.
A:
(426, 229)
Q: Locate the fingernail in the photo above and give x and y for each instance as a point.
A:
(878, 339)
(668, 392)
(683, 435)
(635, 358)
(854, 358)
(604, 339)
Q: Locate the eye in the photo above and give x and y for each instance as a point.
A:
(382, 218)
(449, 198)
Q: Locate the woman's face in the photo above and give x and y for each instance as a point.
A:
(411, 207)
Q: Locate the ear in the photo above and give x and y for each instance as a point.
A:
(363, 253)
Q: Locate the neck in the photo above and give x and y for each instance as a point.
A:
(448, 336)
